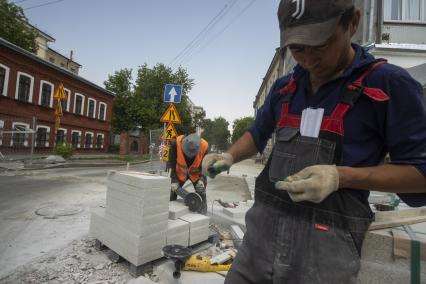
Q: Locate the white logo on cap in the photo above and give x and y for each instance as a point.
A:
(300, 9)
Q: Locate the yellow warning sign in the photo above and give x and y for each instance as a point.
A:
(166, 153)
(171, 115)
(58, 109)
(60, 93)
(170, 133)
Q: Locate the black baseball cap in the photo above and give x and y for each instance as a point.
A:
(310, 22)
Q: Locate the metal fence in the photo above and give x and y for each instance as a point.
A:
(19, 138)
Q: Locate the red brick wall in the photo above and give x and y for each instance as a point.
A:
(9, 107)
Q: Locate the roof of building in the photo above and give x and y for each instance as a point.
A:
(43, 34)
(7, 44)
(268, 73)
(65, 57)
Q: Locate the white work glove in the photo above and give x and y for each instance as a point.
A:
(174, 186)
(313, 183)
(214, 164)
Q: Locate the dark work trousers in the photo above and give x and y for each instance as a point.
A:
(289, 244)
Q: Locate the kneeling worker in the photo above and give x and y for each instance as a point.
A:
(186, 154)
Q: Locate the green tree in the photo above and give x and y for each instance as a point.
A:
(14, 26)
(240, 126)
(198, 119)
(127, 108)
(150, 84)
(216, 132)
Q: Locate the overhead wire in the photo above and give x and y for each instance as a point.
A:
(224, 29)
(42, 5)
(213, 22)
(200, 46)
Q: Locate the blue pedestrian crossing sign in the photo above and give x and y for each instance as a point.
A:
(172, 93)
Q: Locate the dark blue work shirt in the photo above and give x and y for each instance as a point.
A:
(372, 129)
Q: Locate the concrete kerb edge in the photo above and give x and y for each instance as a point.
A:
(75, 165)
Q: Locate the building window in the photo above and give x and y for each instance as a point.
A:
(91, 106)
(4, 79)
(51, 59)
(19, 138)
(42, 136)
(102, 111)
(1, 131)
(24, 87)
(100, 141)
(72, 70)
(78, 104)
(405, 10)
(62, 65)
(75, 138)
(46, 94)
(66, 103)
(88, 140)
(60, 136)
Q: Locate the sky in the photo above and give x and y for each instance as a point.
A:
(231, 42)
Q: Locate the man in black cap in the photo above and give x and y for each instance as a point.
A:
(186, 156)
(335, 117)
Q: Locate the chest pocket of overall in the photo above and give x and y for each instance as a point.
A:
(293, 152)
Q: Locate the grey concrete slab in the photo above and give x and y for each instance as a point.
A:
(177, 209)
(238, 212)
(195, 220)
(177, 233)
(141, 280)
(139, 179)
(377, 273)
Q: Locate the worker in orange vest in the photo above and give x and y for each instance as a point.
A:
(186, 155)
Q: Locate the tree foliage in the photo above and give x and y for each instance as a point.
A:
(239, 126)
(216, 132)
(14, 27)
(141, 105)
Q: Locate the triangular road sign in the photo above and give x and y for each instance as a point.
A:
(60, 93)
(171, 115)
(170, 133)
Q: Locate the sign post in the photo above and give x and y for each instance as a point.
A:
(172, 95)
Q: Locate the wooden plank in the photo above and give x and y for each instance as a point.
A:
(396, 223)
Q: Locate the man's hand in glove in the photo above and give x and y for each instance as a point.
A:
(199, 186)
(174, 187)
(214, 164)
(313, 183)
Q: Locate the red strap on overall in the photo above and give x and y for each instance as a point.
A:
(334, 122)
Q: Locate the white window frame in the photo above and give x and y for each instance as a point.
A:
(68, 93)
(6, 80)
(79, 132)
(103, 140)
(82, 103)
(18, 76)
(51, 92)
(403, 12)
(93, 136)
(47, 133)
(99, 111)
(2, 129)
(27, 127)
(65, 136)
(94, 107)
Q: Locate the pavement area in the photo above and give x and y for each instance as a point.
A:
(45, 214)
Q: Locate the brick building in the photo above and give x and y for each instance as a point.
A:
(27, 86)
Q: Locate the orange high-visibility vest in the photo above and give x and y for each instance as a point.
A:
(183, 172)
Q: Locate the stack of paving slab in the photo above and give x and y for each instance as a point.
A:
(386, 256)
(185, 228)
(135, 221)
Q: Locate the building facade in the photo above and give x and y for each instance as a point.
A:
(27, 86)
